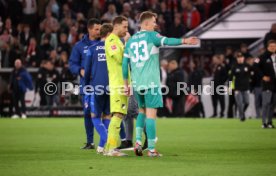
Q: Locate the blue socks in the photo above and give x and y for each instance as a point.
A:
(101, 129)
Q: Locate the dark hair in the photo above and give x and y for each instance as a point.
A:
(91, 22)
(147, 15)
(119, 20)
(270, 42)
(105, 29)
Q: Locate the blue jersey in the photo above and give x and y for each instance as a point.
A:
(95, 67)
(78, 55)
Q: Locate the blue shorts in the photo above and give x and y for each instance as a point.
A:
(100, 104)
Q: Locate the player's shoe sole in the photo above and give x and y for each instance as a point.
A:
(138, 150)
(154, 154)
(116, 153)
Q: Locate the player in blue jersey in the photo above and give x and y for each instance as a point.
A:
(96, 76)
(76, 66)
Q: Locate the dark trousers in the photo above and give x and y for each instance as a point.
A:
(178, 106)
(258, 101)
(232, 105)
(19, 97)
(43, 100)
(268, 104)
(216, 98)
(242, 100)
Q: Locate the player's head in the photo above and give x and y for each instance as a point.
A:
(120, 26)
(148, 21)
(250, 60)
(106, 29)
(17, 64)
(173, 65)
(271, 46)
(93, 28)
(240, 58)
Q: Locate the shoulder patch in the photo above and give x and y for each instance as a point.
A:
(113, 47)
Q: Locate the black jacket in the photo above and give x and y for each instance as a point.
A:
(266, 69)
(256, 77)
(172, 79)
(240, 74)
(195, 78)
(220, 75)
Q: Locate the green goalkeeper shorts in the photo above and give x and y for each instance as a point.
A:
(149, 98)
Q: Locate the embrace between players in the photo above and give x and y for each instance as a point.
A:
(117, 61)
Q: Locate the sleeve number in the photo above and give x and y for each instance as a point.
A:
(143, 47)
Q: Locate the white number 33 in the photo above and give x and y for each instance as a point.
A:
(140, 51)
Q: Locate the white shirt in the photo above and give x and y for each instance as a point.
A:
(273, 57)
(31, 7)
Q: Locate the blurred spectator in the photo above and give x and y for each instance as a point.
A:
(154, 6)
(25, 36)
(41, 82)
(199, 4)
(271, 35)
(215, 7)
(49, 21)
(95, 10)
(255, 85)
(63, 45)
(191, 16)
(267, 66)
(66, 11)
(220, 77)
(52, 75)
(166, 16)
(46, 48)
(33, 54)
(111, 13)
(29, 12)
(20, 81)
(66, 74)
(53, 5)
(52, 37)
(15, 51)
(240, 74)
(177, 30)
(66, 22)
(194, 84)
(73, 35)
(230, 61)
(53, 57)
(244, 51)
(8, 27)
(163, 70)
(175, 75)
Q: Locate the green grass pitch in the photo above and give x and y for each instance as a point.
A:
(191, 147)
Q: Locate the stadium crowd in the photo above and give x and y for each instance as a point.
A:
(42, 33)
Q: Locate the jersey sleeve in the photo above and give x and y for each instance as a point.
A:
(88, 66)
(114, 50)
(126, 60)
(159, 40)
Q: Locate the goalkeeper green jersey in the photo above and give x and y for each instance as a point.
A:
(142, 54)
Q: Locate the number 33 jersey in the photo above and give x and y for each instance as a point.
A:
(143, 54)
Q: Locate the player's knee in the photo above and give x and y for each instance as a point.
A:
(105, 116)
(93, 115)
(120, 115)
(142, 110)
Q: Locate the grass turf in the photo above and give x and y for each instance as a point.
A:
(213, 147)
